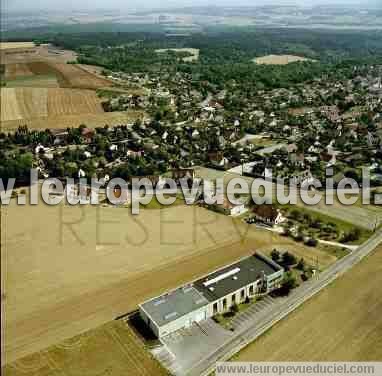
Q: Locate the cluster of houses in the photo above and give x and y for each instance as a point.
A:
(297, 133)
(324, 123)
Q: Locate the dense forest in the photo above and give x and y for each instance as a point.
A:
(224, 56)
(234, 45)
(227, 56)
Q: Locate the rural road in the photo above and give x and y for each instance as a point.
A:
(247, 335)
(341, 245)
(364, 216)
(247, 138)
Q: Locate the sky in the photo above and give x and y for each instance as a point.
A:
(147, 4)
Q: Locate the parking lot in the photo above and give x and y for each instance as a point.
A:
(186, 347)
(183, 349)
(254, 312)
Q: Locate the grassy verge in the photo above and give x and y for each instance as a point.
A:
(154, 204)
(116, 91)
(339, 227)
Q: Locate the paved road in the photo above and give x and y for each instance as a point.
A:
(246, 335)
(248, 137)
(362, 216)
(270, 149)
(341, 245)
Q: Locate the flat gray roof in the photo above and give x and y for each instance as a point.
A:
(171, 306)
(175, 304)
(233, 277)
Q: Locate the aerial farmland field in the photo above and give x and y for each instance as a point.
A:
(9, 105)
(342, 323)
(92, 120)
(72, 101)
(94, 264)
(16, 45)
(64, 75)
(125, 355)
(35, 81)
(15, 70)
(25, 52)
(73, 76)
(30, 103)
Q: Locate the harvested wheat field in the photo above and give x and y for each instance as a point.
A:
(32, 74)
(10, 109)
(73, 76)
(15, 70)
(342, 323)
(91, 120)
(30, 103)
(112, 349)
(66, 75)
(16, 45)
(38, 81)
(27, 52)
(79, 267)
(73, 101)
(279, 59)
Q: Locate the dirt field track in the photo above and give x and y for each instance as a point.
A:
(30, 103)
(342, 323)
(112, 350)
(60, 280)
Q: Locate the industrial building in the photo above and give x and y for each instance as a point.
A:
(212, 294)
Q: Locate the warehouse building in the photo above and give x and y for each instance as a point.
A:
(212, 294)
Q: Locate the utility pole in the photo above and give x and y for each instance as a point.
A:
(376, 223)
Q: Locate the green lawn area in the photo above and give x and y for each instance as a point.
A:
(342, 227)
(335, 251)
(263, 142)
(154, 204)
